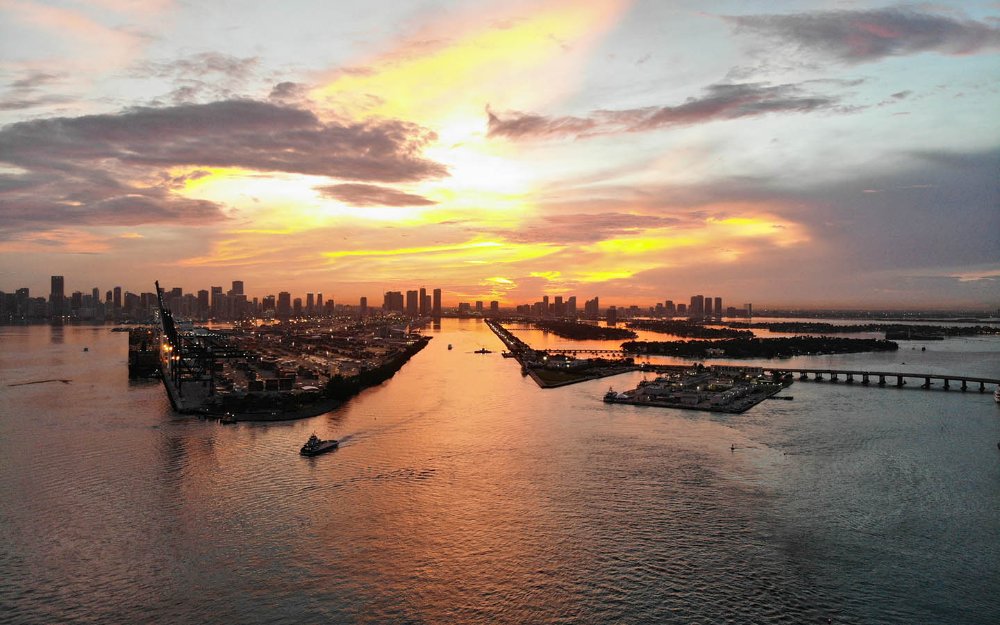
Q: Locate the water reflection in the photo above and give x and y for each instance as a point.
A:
(463, 493)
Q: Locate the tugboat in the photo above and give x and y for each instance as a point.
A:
(314, 446)
(610, 396)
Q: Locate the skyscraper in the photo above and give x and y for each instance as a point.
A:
(238, 287)
(718, 307)
(422, 303)
(57, 296)
(284, 306)
(412, 307)
(436, 308)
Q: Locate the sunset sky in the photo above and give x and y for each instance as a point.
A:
(784, 153)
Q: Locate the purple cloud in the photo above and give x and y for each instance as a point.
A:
(861, 36)
(719, 102)
(372, 195)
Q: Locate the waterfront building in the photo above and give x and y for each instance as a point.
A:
(718, 307)
(436, 307)
(494, 308)
(612, 316)
(363, 307)
(708, 306)
(571, 306)
(422, 302)
(238, 287)
(412, 307)
(57, 295)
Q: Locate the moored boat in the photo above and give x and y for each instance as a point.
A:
(996, 395)
(314, 446)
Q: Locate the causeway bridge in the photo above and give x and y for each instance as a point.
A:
(864, 377)
(882, 378)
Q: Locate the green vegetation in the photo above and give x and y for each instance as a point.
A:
(583, 331)
(761, 348)
(690, 329)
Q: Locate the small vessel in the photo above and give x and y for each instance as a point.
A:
(996, 395)
(611, 395)
(449, 345)
(483, 350)
(314, 446)
(228, 419)
(86, 349)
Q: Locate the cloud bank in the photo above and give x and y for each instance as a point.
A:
(113, 168)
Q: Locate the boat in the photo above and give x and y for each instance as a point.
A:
(86, 349)
(227, 419)
(314, 446)
(611, 395)
(449, 345)
(483, 350)
(996, 395)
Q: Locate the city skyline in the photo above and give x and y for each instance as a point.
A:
(215, 302)
(803, 154)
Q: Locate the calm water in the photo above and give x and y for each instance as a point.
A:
(463, 493)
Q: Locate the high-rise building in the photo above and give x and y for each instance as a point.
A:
(571, 306)
(422, 303)
(238, 287)
(319, 304)
(669, 309)
(612, 316)
(202, 304)
(412, 306)
(708, 306)
(393, 300)
(436, 306)
(697, 307)
(297, 307)
(559, 308)
(310, 304)
(57, 296)
(363, 307)
(718, 307)
(479, 306)
(682, 310)
(284, 306)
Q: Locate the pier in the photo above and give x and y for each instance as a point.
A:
(552, 368)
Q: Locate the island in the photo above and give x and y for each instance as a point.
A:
(760, 348)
